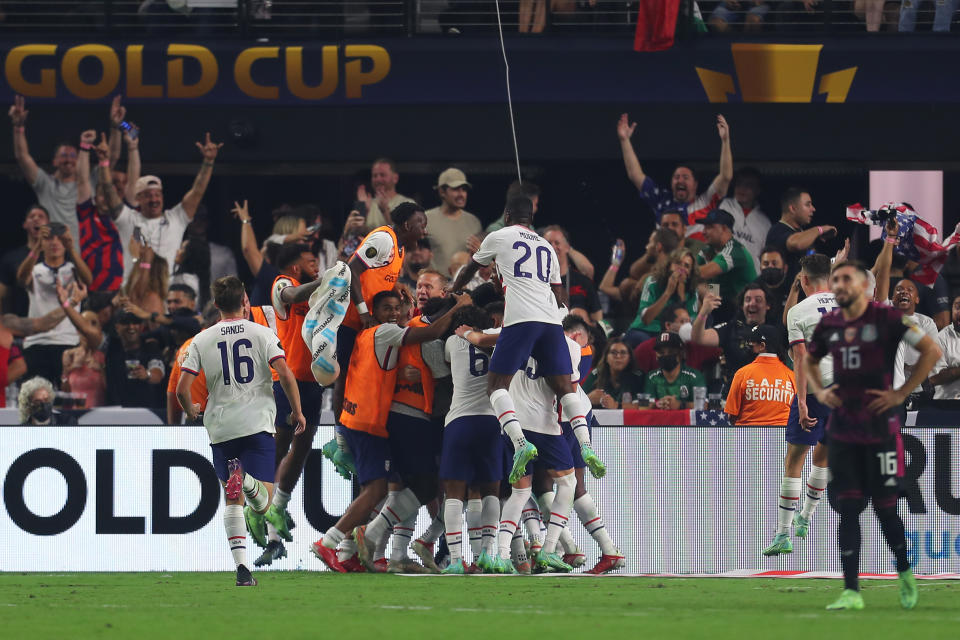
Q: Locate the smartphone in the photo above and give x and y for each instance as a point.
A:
(312, 229)
(57, 228)
(714, 288)
(360, 207)
(138, 236)
(130, 129)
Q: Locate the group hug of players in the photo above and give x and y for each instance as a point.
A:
(517, 418)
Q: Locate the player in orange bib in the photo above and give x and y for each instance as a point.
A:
(761, 392)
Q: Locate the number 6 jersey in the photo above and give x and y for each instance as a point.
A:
(527, 266)
(863, 352)
(468, 369)
(235, 356)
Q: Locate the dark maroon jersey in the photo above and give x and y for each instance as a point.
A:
(863, 351)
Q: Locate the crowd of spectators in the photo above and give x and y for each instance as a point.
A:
(110, 282)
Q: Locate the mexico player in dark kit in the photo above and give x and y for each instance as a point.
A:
(866, 452)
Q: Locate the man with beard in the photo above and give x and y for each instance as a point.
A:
(773, 272)
(906, 297)
(796, 212)
(725, 262)
(452, 228)
(866, 450)
(683, 184)
(734, 336)
(383, 179)
(946, 378)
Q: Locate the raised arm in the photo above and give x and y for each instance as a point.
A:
(700, 334)
(28, 326)
(301, 293)
(25, 270)
(722, 182)
(191, 200)
(84, 274)
(625, 130)
(117, 113)
(581, 262)
(133, 165)
(608, 283)
(18, 117)
(803, 240)
(105, 179)
(881, 268)
(466, 274)
(248, 240)
(87, 138)
(69, 299)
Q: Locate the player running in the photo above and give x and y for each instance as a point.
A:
(806, 425)
(866, 452)
(472, 446)
(530, 272)
(236, 356)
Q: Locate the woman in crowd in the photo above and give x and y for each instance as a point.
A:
(674, 283)
(84, 368)
(614, 383)
(149, 279)
(192, 266)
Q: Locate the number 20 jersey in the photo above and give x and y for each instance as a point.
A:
(235, 356)
(527, 266)
(863, 352)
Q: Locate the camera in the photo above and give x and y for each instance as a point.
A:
(57, 228)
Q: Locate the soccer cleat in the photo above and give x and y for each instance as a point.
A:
(256, 526)
(908, 589)
(502, 565)
(455, 568)
(424, 551)
(523, 568)
(342, 462)
(278, 519)
(781, 544)
(234, 486)
(327, 556)
(801, 525)
(485, 562)
(472, 568)
(406, 565)
(352, 565)
(274, 551)
(849, 599)
(607, 564)
(365, 548)
(245, 578)
(521, 457)
(380, 565)
(291, 525)
(597, 468)
(576, 559)
(551, 562)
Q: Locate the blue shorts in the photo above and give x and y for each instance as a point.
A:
(544, 342)
(371, 454)
(311, 400)
(554, 452)
(733, 16)
(795, 434)
(346, 338)
(414, 445)
(472, 450)
(573, 443)
(256, 453)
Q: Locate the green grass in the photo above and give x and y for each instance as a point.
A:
(324, 605)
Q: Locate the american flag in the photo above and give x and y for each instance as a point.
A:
(918, 239)
(710, 419)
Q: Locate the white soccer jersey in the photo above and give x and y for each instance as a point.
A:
(907, 355)
(236, 356)
(527, 266)
(468, 369)
(803, 318)
(535, 401)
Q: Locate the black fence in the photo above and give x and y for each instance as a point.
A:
(290, 18)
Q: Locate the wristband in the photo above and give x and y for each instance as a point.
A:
(206, 163)
(144, 265)
(66, 303)
(32, 255)
(891, 240)
(614, 267)
(20, 128)
(362, 307)
(245, 221)
(85, 146)
(820, 230)
(105, 164)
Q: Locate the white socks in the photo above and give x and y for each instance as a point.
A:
(280, 497)
(489, 519)
(236, 528)
(399, 506)
(575, 413)
(559, 511)
(531, 522)
(474, 526)
(586, 510)
(434, 531)
(332, 538)
(402, 534)
(346, 549)
(256, 493)
(507, 415)
(816, 485)
(453, 522)
(789, 497)
(509, 518)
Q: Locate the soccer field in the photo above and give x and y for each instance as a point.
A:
(308, 604)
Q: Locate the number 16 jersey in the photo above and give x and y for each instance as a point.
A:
(528, 267)
(235, 356)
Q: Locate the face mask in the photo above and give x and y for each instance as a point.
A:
(668, 363)
(417, 266)
(771, 276)
(43, 411)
